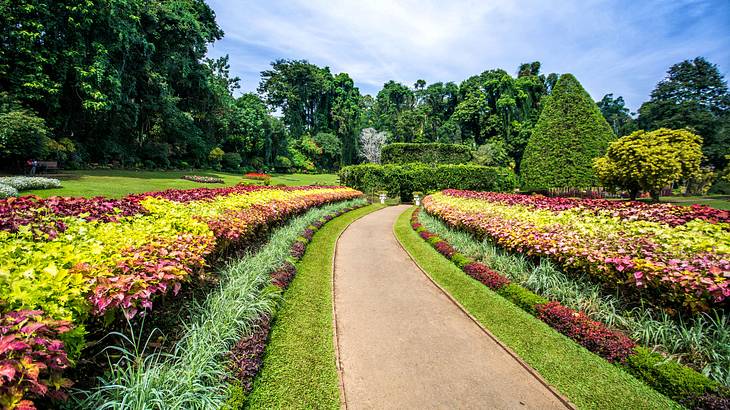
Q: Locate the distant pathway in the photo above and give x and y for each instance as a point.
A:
(404, 344)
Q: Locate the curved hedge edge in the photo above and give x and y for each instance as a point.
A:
(302, 264)
(674, 380)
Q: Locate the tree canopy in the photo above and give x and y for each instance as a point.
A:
(650, 161)
(693, 95)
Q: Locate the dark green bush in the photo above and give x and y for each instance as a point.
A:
(669, 377)
(460, 260)
(569, 134)
(231, 161)
(403, 180)
(429, 153)
(23, 136)
(522, 297)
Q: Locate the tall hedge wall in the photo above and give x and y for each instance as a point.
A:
(430, 153)
(403, 180)
(569, 134)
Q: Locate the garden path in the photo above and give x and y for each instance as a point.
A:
(402, 342)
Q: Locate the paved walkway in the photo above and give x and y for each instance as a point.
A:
(404, 344)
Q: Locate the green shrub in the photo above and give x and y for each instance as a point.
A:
(460, 260)
(23, 135)
(667, 376)
(429, 153)
(522, 297)
(403, 180)
(569, 134)
(231, 160)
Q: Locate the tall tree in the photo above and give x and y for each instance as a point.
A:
(569, 134)
(693, 95)
(302, 91)
(347, 116)
(390, 102)
(615, 112)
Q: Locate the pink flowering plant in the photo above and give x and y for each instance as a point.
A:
(678, 255)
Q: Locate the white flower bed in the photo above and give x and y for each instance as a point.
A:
(28, 183)
(7, 191)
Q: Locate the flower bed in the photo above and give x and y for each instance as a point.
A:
(22, 183)
(678, 382)
(670, 255)
(203, 179)
(257, 176)
(68, 259)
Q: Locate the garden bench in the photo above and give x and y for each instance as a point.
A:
(45, 166)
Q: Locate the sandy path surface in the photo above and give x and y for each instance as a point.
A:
(404, 344)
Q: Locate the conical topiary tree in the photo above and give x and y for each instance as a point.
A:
(569, 133)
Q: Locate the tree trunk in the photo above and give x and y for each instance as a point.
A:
(634, 193)
(654, 195)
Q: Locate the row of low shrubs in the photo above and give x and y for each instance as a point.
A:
(428, 153)
(12, 186)
(672, 379)
(403, 180)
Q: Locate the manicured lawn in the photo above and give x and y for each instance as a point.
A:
(117, 183)
(587, 380)
(715, 201)
(299, 369)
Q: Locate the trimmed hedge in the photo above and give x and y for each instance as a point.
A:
(569, 134)
(669, 377)
(403, 180)
(428, 153)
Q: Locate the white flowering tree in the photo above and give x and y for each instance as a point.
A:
(371, 143)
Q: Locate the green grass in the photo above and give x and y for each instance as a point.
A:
(117, 183)
(715, 201)
(587, 380)
(299, 368)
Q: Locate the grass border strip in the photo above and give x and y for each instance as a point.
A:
(300, 365)
(486, 331)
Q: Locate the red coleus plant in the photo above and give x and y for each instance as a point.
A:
(610, 344)
(445, 249)
(148, 271)
(257, 176)
(672, 215)
(283, 276)
(248, 354)
(31, 358)
(483, 274)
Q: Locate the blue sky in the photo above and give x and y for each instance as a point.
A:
(621, 47)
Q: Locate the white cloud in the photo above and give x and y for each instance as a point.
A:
(619, 47)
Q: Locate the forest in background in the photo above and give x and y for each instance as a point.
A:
(128, 84)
